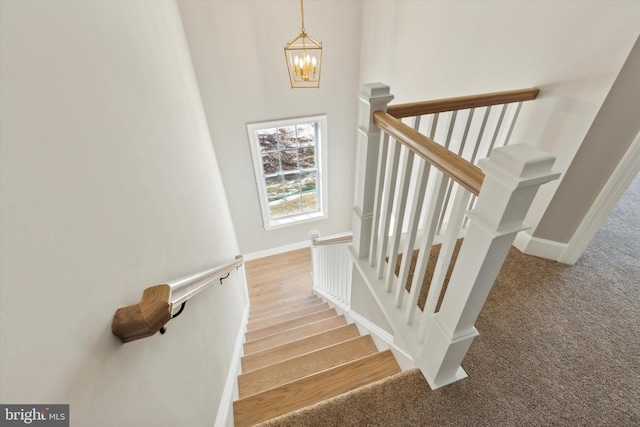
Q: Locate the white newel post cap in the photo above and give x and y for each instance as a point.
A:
(374, 97)
(519, 165)
(375, 91)
(513, 175)
(313, 235)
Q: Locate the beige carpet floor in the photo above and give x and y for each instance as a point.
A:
(559, 346)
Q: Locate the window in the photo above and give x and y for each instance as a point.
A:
(288, 161)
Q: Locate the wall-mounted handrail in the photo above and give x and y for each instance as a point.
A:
(159, 302)
(460, 170)
(185, 288)
(460, 103)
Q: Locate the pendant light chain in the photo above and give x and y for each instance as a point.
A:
(302, 15)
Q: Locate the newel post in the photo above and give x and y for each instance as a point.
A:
(373, 97)
(513, 175)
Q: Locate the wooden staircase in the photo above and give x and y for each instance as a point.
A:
(298, 351)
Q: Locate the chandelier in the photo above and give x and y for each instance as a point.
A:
(304, 59)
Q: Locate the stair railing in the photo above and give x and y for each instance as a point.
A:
(332, 267)
(161, 303)
(410, 190)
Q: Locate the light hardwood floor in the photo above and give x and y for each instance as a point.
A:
(278, 276)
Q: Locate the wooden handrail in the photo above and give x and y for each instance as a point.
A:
(333, 240)
(145, 318)
(158, 302)
(460, 103)
(460, 170)
(185, 288)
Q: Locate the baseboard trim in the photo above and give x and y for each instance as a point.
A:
(276, 251)
(372, 327)
(225, 408)
(536, 246)
(608, 197)
(382, 338)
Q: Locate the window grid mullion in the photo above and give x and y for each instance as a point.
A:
(301, 179)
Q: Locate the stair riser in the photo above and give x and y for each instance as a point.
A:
(270, 305)
(314, 388)
(307, 364)
(279, 317)
(289, 324)
(295, 348)
(294, 334)
(271, 311)
(282, 288)
(280, 298)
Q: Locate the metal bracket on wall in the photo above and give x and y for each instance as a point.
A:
(164, 329)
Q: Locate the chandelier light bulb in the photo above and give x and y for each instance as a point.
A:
(304, 58)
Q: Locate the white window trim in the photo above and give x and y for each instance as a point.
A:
(321, 165)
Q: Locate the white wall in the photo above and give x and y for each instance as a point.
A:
(237, 50)
(109, 185)
(571, 50)
(614, 129)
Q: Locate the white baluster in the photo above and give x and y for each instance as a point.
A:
(405, 180)
(514, 119)
(497, 129)
(377, 205)
(465, 135)
(434, 208)
(388, 195)
(480, 134)
(413, 222)
(460, 203)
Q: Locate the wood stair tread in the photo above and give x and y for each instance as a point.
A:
(295, 348)
(259, 307)
(294, 261)
(281, 297)
(289, 324)
(306, 364)
(314, 388)
(294, 334)
(287, 286)
(278, 311)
